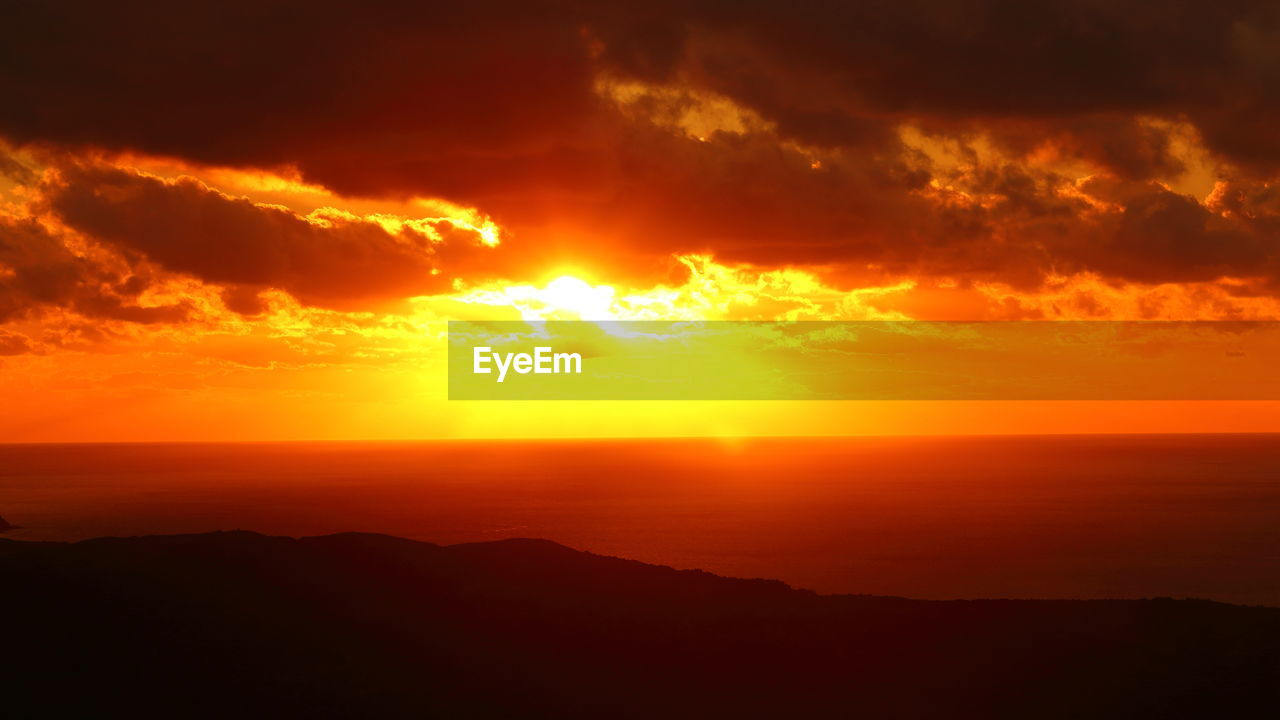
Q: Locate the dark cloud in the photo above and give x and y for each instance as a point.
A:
(400, 96)
(369, 97)
(1127, 147)
(497, 106)
(244, 299)
(1164, 236)
(826, 71)
(16, 171)
(38, 272)
(186, 227)
(14, 343)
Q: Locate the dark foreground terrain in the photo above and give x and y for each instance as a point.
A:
(243, 625)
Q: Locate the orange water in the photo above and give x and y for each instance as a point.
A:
(1083, 517)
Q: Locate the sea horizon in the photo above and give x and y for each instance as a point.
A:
(930, 517)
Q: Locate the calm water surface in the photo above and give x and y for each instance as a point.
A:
(1026, 517)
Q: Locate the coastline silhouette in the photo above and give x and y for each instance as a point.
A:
(359, 625)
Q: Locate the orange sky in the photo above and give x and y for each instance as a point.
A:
(243, 248)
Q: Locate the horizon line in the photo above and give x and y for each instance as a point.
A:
(636, 438)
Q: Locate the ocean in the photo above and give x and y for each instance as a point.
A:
(1115, 516)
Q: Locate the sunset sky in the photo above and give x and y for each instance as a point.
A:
(233, 220)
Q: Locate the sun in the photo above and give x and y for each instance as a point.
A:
(565, 297)
(568, 294)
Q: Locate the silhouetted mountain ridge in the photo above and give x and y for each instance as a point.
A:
(365, 625)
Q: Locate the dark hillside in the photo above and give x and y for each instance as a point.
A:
(243, 625)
